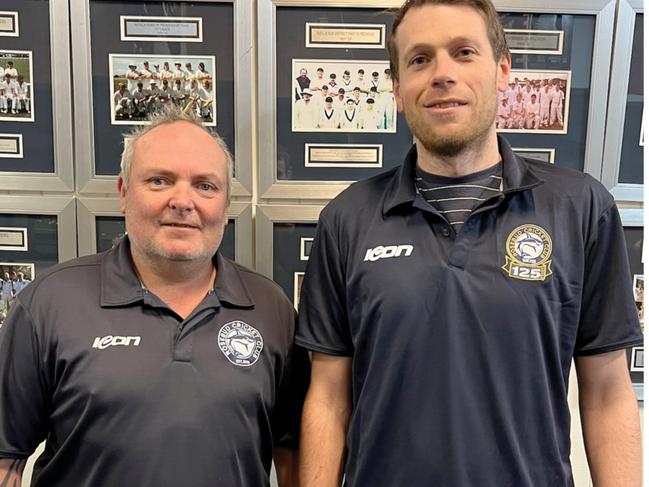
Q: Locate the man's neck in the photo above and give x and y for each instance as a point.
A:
(474, 158)
(182, 285)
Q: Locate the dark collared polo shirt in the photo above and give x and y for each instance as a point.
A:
(461, 345)
(129, 394)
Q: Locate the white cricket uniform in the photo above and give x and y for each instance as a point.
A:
(329, 119)
(518, 115)
(166, 74)
(140, 99)
(349, 119)
(11, 72)
(348, 85)
(122, 102)
(370, 120)
(527, 96)
(307, 115)
(556, 110)
(132, 78)
(8, 90)
(179, 74)
(544, 100)
(532, 115)
(202, 75)
(205, 97)
(511, 93)
(145, 77)
(503, 117)
(387, 107)
(22, 95)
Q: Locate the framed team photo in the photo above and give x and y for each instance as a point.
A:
(298, 277)
(342, 96)
(535, 102)
(638, 294)
(16, 86)
(143, 83)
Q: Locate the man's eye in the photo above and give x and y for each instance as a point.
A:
(466, 52)
(206, 187)
(418, 60)
(156, 181)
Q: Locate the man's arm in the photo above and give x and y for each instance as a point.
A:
(325, 419)
(610, 419)
(11, 471)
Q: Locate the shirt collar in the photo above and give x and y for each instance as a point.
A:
(121, 286)
(517, 176)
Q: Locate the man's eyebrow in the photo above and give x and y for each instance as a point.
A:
(425, 46)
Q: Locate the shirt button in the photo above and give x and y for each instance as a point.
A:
(446, 232)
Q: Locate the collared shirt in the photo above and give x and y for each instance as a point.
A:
(128, 393)
(462, 344)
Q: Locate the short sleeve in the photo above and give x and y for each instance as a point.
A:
(609, 317)
(22, 412)
(323, 325)
(287, 412)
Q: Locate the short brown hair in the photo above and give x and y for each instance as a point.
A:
(495, 30)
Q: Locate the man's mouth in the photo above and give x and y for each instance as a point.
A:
(179, 225)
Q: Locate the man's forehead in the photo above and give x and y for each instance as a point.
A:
(440, 24)
(177, 137)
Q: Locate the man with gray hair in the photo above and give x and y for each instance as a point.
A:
(159, 362)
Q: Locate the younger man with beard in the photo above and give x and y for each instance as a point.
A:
(445, 299)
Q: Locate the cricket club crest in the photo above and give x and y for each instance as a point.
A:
(528, 248)
(240, 343)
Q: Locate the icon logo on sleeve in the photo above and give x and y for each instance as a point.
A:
(528, 251)
(240, 343)
(112, 341)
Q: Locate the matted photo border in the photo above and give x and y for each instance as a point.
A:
(637, 354)
(304, 241)
(23, 62)
(6, 243)
(344, 149)
(139, 60)
(5, 150)
(9, 17)
(558, 51)
(345, 33)
(555, 119)
(125, 36)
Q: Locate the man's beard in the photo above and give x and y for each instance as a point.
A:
(474, 134)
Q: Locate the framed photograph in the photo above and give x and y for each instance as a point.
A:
(535, 101)
(9, 24)
(141, 84)
(27, 270)
(13, 239)
(99, 125)
(356, 36)
(533, 41)
(335, 95)
(305, 247)
(17, 75)
(11, 146)
(159, 29)
(540, 154)
(623, 167)
(343, 155)
(297, 287)
(638, 294)
(637, 359)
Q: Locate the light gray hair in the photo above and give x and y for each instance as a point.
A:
(169, 114)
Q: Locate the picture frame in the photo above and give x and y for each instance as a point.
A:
(159, 29)
(90, 180)
(9, 26)
(47, 154)
(617, 115)
(274, 188)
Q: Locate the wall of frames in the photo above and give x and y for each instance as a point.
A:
(261, 73)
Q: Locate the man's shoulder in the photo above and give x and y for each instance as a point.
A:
(62, 276)
(258, 284)
(569, 182)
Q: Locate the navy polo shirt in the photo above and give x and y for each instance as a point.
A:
(461, 345)
(128, 393)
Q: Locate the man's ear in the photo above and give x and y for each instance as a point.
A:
(121, 187)
(397, 94)
(504, 69)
